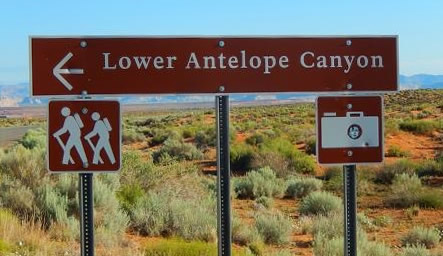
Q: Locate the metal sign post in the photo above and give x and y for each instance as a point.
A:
(223, 176)
(86, 214)
(350, 207)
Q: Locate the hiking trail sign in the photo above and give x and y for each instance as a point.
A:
(205, 65)
(84, 136)
(349, 129)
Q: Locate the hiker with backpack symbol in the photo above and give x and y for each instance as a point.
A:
(71, 125)
(101, 129)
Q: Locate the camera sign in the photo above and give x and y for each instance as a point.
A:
(349, 129)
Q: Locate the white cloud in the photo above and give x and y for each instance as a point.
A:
(266, 97)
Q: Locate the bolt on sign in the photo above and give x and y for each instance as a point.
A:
(200, 65)
(349, 129)
(84, 136)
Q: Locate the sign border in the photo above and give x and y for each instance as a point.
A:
(88, 171)
(382, 130)
(221, 37)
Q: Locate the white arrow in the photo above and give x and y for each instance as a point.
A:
(58, 70)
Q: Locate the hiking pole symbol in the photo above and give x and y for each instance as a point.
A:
(62, 145)
(94, 149)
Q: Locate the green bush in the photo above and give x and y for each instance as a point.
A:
(244, 234)
(328, 238)
(274, 227)
(320, 202)
(241, 157)
(431, 199)
(262, 182)
(298, 161)
(267, 202)
(161, 135)
(388, 172)
(405, 190)
(428, 237)
(131, 136)
(175, 247)
(396, 151)
(275, 161)
(206, 137)
(165, 214)
(300, 187)
(34, 138)
(420, 126)
(255, 139)
(311, 144)
(177, 150)
(415, 250)
(430, 168)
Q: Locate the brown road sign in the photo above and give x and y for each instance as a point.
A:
(192, 65)
(349, 129)
(84, 136)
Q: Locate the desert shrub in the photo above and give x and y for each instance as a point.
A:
(428, 237)
(267, 202)
(328, 226)
(24, 165)
(262, 182)
(430, 199)
(387, 173)
(129, 195)
(149, 215)
(415, 250)
(165, 214)
(241, 157)
(137, 171)
(274, 227)
(275, 161)
(430, 168)
(298, 161)
(328, 246)
(131, 136)
(311, 144)
(19, 199)
(206, 138)
(382, 221)
(392, 126)
(176, 247)
(412, 212)
(328, 240)
(320, 202)
(188, 133)
(255, 139)
(300, 187)
(244, 234)
(34, 138)
(161, 135)
(405, 190)
(52, 204)
(177, 150)
(396, 151)
(420, 126)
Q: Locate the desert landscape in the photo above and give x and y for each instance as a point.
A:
(163, 201)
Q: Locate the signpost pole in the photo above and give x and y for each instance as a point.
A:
(223, 176)
(86, 214)
(350, 210)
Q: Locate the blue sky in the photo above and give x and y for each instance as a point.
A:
(419, 24)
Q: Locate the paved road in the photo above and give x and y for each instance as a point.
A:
(9, 135)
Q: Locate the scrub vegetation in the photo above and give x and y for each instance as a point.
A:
(163, 201)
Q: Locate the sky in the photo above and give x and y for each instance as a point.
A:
(418, 24)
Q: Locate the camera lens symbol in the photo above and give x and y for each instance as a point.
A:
(354, 131)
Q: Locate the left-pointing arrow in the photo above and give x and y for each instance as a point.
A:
(58, 71)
